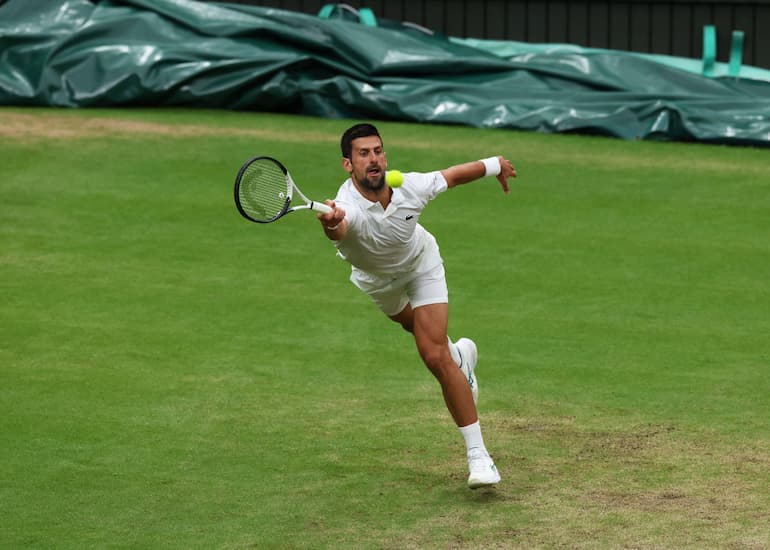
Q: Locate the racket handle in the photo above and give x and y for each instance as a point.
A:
(320, 207)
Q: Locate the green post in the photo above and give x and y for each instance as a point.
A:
(709, 49)
(736, 53)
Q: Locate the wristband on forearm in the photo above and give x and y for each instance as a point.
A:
(492, 165)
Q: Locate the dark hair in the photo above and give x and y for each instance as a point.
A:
(355, 132)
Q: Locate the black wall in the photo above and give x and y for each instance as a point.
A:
(673, 27)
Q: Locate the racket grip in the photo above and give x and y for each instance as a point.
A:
(320, 207)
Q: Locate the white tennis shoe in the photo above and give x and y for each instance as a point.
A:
(468, 357)
(483, 470)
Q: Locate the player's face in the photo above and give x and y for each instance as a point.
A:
(367, 163)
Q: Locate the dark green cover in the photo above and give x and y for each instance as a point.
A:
(77, 53)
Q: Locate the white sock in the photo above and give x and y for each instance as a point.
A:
(453, 352)
(472, 435)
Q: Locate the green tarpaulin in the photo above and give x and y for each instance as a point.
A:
(78, 53)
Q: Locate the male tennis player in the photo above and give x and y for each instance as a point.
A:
(398, 264)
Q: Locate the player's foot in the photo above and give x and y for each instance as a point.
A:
(483, 470)
(468, 358)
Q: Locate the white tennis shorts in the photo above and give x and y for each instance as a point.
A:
(425, 285)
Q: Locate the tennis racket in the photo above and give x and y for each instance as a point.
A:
(264, 190)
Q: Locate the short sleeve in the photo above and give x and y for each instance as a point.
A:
(424, 187)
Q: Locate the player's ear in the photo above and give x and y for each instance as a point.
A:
(346, 165)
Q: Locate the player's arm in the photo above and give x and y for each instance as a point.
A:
(334, 223)
(499, 166)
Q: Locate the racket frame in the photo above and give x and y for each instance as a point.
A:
(291, 187)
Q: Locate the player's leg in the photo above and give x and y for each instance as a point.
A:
(420, 307)
(429, 301)
(423, 311)
(430, 326)
(430, 323)
(465, 359)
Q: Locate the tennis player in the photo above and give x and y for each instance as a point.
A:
(397, 263)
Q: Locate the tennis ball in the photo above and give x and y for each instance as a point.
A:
(394, 178)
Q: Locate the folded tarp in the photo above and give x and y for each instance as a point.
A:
(78, 53)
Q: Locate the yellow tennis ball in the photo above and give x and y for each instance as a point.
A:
(394, 178)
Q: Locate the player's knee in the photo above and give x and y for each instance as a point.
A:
(437, 360)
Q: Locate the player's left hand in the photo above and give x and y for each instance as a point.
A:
(506, 171)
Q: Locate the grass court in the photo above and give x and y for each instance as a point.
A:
(173, 376)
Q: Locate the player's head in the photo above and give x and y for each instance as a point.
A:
(355, 132)
(363, 156)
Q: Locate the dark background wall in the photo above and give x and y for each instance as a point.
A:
(673, 27)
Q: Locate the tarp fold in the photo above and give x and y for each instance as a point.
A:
(78, 53)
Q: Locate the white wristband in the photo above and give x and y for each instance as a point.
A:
(492, 164)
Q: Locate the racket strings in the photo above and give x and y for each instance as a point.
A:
(263, 191)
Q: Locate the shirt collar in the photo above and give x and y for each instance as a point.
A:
(365, 203)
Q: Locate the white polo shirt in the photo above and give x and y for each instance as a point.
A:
(390, 242)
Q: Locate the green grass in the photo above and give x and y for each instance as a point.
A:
(172, 376)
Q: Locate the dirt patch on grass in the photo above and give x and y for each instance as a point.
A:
(23, 126)
(633, 486)
(33, 127)
(726, 512)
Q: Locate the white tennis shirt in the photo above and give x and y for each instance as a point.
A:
(388, 242)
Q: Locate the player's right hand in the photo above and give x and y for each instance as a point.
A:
(334, 218)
